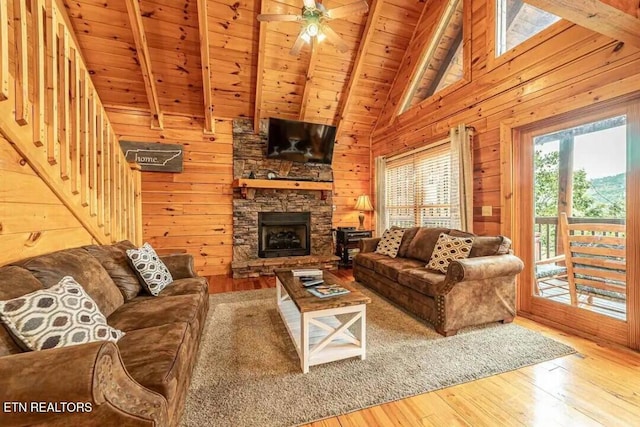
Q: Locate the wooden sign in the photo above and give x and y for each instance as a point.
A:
(154, 157)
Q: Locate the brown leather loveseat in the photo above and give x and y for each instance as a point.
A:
(474, 291)
(141, 380)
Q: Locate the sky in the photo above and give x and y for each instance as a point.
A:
(600, 153)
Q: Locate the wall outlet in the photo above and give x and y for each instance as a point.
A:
(487, 211)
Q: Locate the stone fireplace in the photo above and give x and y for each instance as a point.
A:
(275, 227)
(284, 234)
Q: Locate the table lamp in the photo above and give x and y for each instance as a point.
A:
(363, 204)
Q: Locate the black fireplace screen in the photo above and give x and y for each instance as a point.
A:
(282, 234)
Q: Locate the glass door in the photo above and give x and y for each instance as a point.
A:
(577, 187)
(580, 176)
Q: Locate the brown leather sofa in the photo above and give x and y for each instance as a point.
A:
(141, 380)
(474, 291)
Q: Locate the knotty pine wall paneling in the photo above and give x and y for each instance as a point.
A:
(191, 212)
(33, 221)
(188, 212)
(351, 171)
(574, 68)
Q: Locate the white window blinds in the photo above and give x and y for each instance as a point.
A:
(418, 189)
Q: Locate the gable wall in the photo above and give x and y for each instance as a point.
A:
(573, 68)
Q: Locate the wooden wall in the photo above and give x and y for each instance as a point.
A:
(351, 171)
(33, 221)
(572, 68)
(192, 211)
(189, 211)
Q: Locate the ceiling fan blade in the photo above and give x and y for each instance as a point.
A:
(334, 39)
(297, 46)
(348, 9)
(309, 3)
(275, 17)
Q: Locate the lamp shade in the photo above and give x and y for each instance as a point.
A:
(363, 203)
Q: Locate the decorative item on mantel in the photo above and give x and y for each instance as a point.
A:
(363, 205)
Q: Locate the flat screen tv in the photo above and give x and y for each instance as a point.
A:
(300, 141)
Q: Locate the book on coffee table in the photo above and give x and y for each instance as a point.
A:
(325, 291)
(309, 272)
(311, 282)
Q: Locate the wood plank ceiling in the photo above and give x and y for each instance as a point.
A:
(318, 88)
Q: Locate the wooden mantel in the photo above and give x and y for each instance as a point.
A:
(280, 184)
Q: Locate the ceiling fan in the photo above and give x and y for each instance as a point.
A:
(315, 22)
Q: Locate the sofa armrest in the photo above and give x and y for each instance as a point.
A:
(91, 374)
(368, 244)
(180, 266)
(484, 267)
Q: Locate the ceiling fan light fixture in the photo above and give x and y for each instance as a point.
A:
(313, 29)
(314, 21)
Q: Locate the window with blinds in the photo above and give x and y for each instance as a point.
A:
(418, 189)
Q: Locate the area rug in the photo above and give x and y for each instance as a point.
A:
(248, 373)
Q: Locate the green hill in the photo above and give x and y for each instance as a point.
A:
(609, 189)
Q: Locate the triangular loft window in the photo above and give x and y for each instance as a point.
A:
(442, 63)
(517, 22)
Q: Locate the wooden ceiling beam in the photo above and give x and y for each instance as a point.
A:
(313, 60)
(142, 50)
(630, 7)
(614, 18)
(203, 28)
(367, 35)
(260, 69)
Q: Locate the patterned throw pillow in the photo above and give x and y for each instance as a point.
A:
(60, 316)
(390, 242)
(154, 273)
(448, 249)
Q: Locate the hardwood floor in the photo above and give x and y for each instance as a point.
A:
(600, 385)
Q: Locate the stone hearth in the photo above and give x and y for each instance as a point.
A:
(249, 154)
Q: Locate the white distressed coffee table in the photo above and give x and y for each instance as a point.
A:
(322, 329)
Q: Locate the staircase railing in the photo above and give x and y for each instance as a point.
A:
(51, 113)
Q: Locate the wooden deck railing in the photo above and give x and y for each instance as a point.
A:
(546, 233)
(51, 113)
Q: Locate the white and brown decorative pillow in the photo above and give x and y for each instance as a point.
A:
(448, 249)
(60, 316)
(390, 242)
(154, 273)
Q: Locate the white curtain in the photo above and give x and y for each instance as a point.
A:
(462, 178)
(381, 191)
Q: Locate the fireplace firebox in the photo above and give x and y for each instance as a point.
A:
(282, 234)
